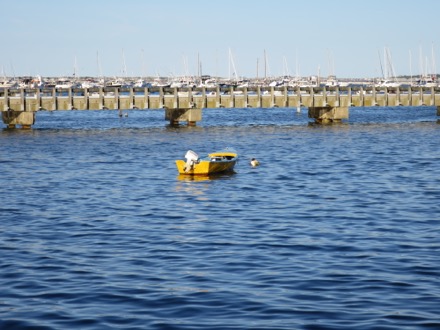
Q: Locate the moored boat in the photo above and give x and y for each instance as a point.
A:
(216, 162)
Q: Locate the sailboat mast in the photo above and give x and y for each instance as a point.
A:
(296, 65)
(229, 64)
(74, 68)
(198, 68)
(144, 73)
(124, 65)
(285, 67)
(265, 65)
(257, 67)
(381, 66)
(233, 66)
(97, 64)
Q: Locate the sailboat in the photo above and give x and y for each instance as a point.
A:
(388, 74)
(426, 79)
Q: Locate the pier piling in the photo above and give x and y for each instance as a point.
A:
(189, 115)
(12, 118)
(325, 115)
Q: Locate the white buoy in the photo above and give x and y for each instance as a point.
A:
(254, 162)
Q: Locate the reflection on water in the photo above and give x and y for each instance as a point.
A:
(187, 186)
(329, 123)
(199, 186)
(211, 177)
(183, 128)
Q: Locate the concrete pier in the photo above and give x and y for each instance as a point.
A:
(325, 104)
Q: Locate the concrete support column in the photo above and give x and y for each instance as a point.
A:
(117, 102)
(374, 102)
(23, 100)
(232, 99)
(190, 98)
(259, 96)
(38, 92)
(161, 98)
(101, 98)
(54, 99)
(146, 92)
(86, 99)
(6, 100)
(338, 97)
(131, 98)
(361, 97)
(298, 95)
(204, 101)
(245, 95)
(217, 97)
(190, 115)
(23, 118)
(350, 102)
(176, 98)
(272, 96)
(70, 99)
(325, 115)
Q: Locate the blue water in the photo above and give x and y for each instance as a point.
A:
(337, 229)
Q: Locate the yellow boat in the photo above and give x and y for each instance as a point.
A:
(216, 162)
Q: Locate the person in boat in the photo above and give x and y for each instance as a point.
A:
(254, 162)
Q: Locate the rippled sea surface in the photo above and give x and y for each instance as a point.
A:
(337, 229)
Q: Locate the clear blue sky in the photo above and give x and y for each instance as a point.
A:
(167, 37)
